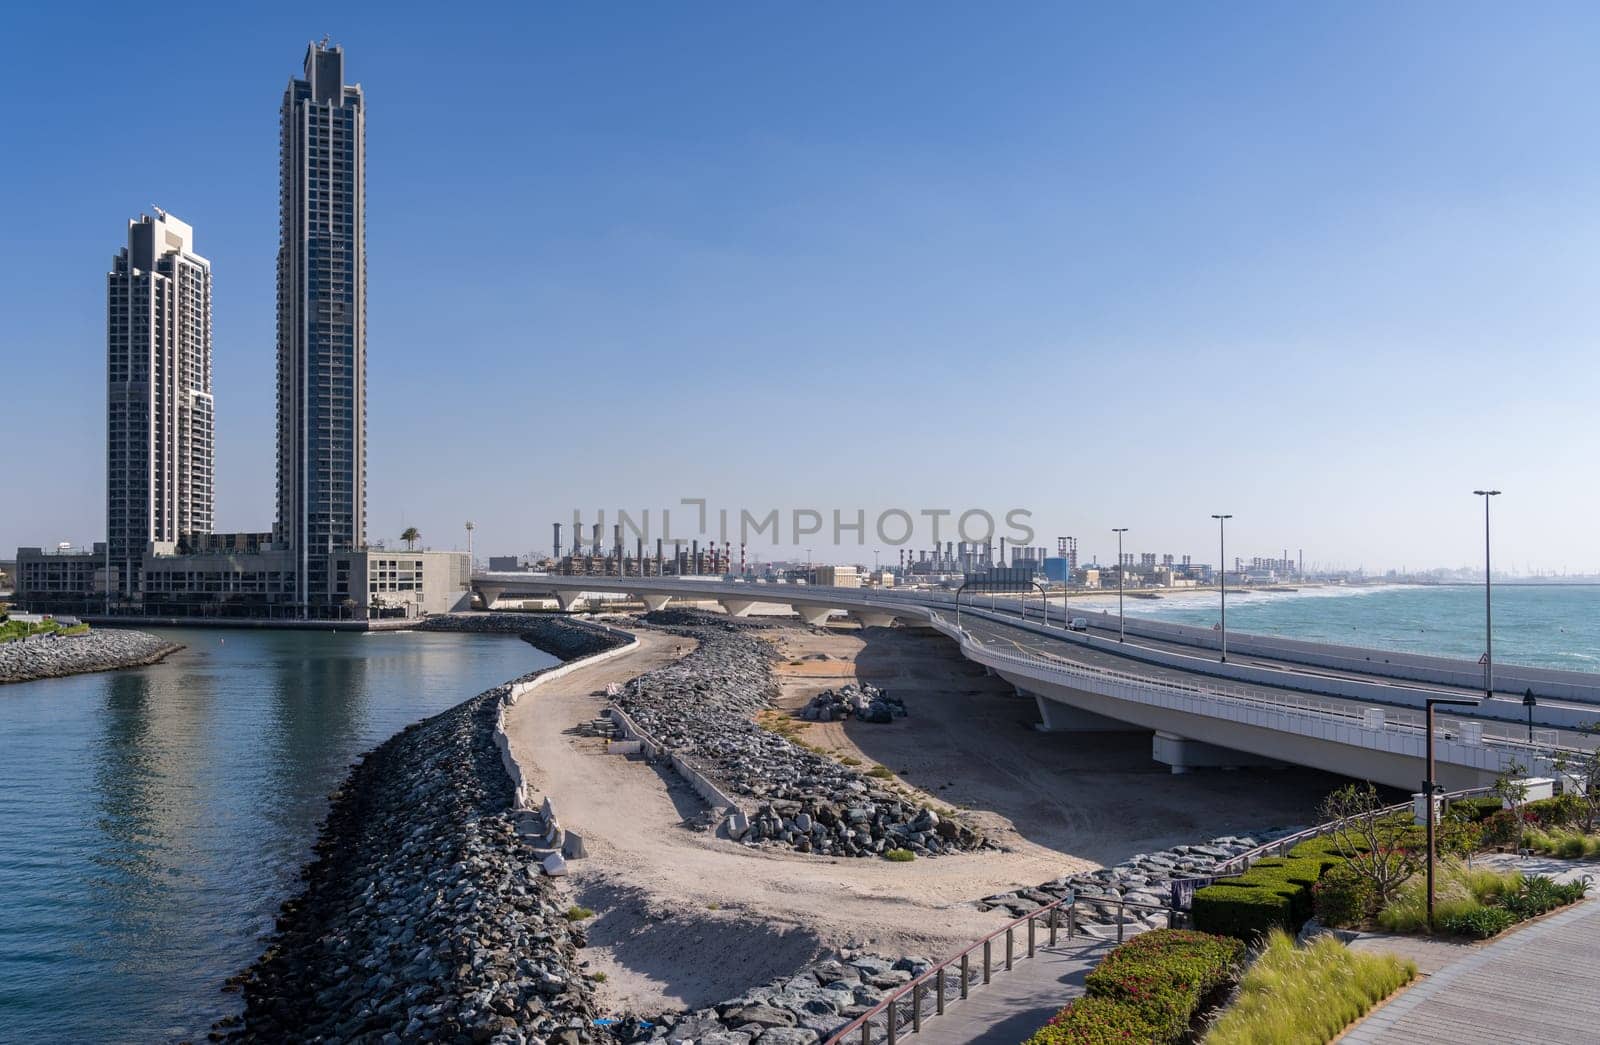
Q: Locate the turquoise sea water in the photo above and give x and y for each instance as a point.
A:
(1553, 626)
(152, 820)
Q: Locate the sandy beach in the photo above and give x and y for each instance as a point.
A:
(684, 919)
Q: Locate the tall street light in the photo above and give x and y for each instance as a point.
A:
(1429, 787)
(1122, 619)
(1222, 568)
(1488, 609)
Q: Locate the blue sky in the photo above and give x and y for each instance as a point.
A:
(1325, 268)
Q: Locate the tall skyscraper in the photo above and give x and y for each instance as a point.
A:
(322, 320)
(160, 424)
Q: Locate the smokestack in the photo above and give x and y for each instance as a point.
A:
(658, 556)
(555, 547)
(596, 541)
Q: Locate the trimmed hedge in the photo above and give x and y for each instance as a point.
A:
(1274, 893)
(1476, 809)
(1147, 990)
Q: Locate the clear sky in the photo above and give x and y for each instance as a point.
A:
(1325, 267)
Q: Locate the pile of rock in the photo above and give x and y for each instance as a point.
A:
(796, 1010)
(865, 702)
(562, 637)
(1145, 878)
(51, 656)
(424, 915)
(700, 707)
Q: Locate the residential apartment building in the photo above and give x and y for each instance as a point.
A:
(160, 417)
(322, 323)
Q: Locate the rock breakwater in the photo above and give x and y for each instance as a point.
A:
(424, 915)
(561, 637)
(702, 707)
(103, 649)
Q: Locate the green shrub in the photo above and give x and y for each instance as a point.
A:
(1244, 912)
(1306, 994)
(899, 856)
(1540, 894)
(578, 914)
(1146, 990)
(1343, 898)
(1501, 828)
(880, 772)
(1459, 891)
(1555, 812)
(1480, 923)
(1476, 809)
(1096, 1021)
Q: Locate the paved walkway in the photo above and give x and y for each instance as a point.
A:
(1537, 984)
(1015, 1003)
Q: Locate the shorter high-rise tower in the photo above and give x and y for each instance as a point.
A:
(160, 424)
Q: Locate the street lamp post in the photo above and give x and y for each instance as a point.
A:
(1488, 606)
(1529, 702)
(1429, 788)
(1222, 568)
(1122, 619)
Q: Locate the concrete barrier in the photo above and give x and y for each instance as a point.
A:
(652, 749)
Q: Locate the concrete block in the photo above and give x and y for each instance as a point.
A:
(738, 825)
(572, 846)
(554, 865)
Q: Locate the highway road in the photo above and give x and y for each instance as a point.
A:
(1102, 650)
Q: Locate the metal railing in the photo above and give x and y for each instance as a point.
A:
(977, 964)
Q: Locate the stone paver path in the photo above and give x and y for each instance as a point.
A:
(1540, 984)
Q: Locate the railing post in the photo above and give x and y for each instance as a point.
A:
(889, 1012)
(1055, 916)
(987, 964)
(965, 975)
(1010, 939)
(1030, 935)
(916, 1009)
(866, 1032)
(938, 985)
(1072, 918)
(1120, 909)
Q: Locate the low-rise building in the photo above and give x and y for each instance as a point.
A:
(836, 576)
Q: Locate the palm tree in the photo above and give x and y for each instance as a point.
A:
(410, 536)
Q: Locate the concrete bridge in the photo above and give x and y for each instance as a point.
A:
(1342, 712)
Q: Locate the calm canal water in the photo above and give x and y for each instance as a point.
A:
(152, 820)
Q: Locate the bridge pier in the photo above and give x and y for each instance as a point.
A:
(654, 603)
(816, 616)
(869, 619)
(490, 594)
(1056, 717)
(568, 599)
(737, 607)
(1182, 754)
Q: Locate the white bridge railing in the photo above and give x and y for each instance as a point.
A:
(1306, 716)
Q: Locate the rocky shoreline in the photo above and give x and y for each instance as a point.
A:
(561, 637)
(424, 914)
(47, 657)
(702, 706)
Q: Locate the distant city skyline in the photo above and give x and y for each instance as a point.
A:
(1327, 276)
